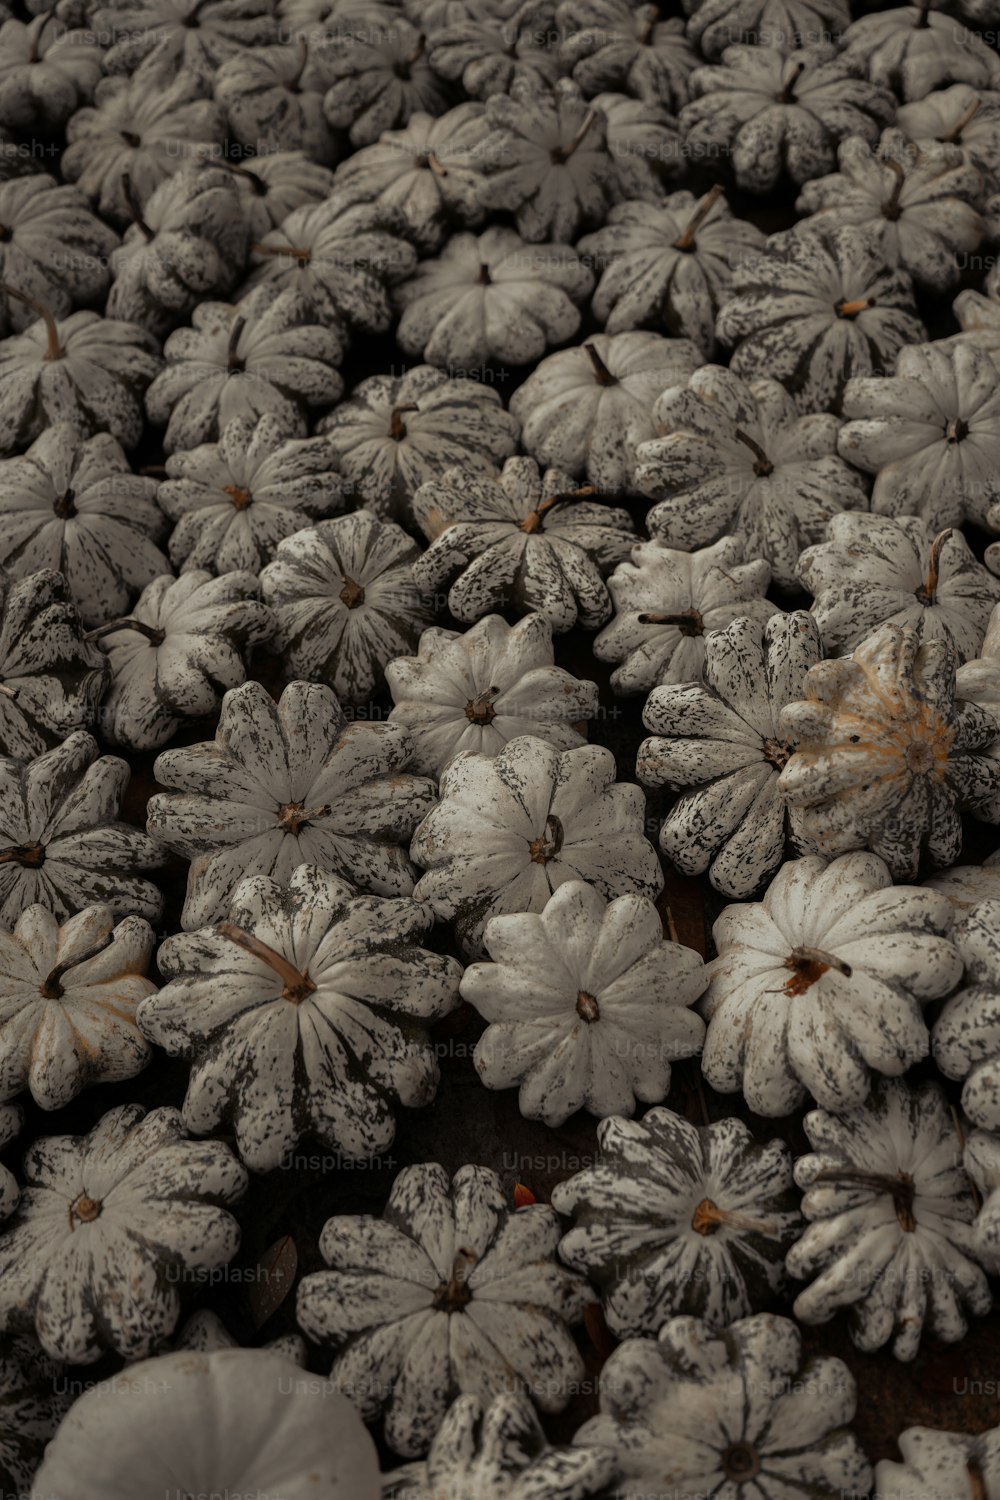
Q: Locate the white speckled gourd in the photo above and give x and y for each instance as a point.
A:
(885, 757)
(268, 355)
(917, 201)
(340, 258)
(509, 829)
(587, 1005)
(53, 248)
(346, 602)
(193, 37)
(981, 1159)
(521, 540)
(930, 433)
(957, 116)
(184, 642)
(734, 458)
(33, 1402)
(71, 503)
(547, 161)
(285, 784)
(966, 1035)
(491, 298)
(768, 113)
(495, 1449)
(273, 97)
(614, 44)
(877, 570)
(137, 1205)
(667, 603)
(891, 1212)
(938, 1463)
(376, 65)
(675, 1218)
(717, 1412)
(719, 743)
(304, 1013)
(713, 25)
(278, 182)
(912, 50)
(188, 243)
(822, 984)
(645, 146)
(142, 132)
(476, 689)
(397, 432)
(233, 501)
(667, 265)
(62, 845)
(815, 309)
(272, 1429)
(83, 368)
(485, 48)
(967, 885)
(450, 1292)
(51, 679)
(68, 996)
(586, 410)
(47, 70)
(428, 172)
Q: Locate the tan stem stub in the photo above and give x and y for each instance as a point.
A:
(455, 1294)
(239, 498)
(435, 164)
(853, 309)
(954, 135)
(51, 987)
(352, 594)
(688, 621)
(534, 518)
(762, 466)
(708, 1218)
(64, 505)
(900, 1188)
(480, 710)
(602, 374)
(293, 816)
(549, 843)
(7, 691)
(956, 431)
(809, 964)
(787, 95)
(927, 593)
(587, 1007)
(30, 856)
(154, 635)
(778, 753)
(297, 984)
(561, 154)
(292, 252)
(977, 1479)
(397, 427)
(892, 208)
(233, 360)
(84, 1210)
(54, 349)
(686, 240)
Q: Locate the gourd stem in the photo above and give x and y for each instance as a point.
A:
(297, 983)
(352, 594)
(480, 710)
(548, 844)
(233, 361)
(708, 1217)
(890, 207)
(454, 1294)
(41, 21)
(55, 350)
(923, 19)
(294, 252)
(8, 692)
(763, 465)
(697, 219)
(397, 427)
(601, 372)
(562, 154)
(851, 309)
(651, 15)
(786, 96)
(257, 183)
(29, 856)
(435, 165)
(153, 634)
(533, 519)
(977, 1480)
(928, 592)
(689, 621)
(955, 133)
(51, 988)
(417, 52)
(135, 207)
(901, 1189)
(806, 955)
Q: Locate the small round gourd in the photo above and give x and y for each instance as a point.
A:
(234, 1421)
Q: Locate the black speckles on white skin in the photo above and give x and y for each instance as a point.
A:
(965, 1033)
(51, 679)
